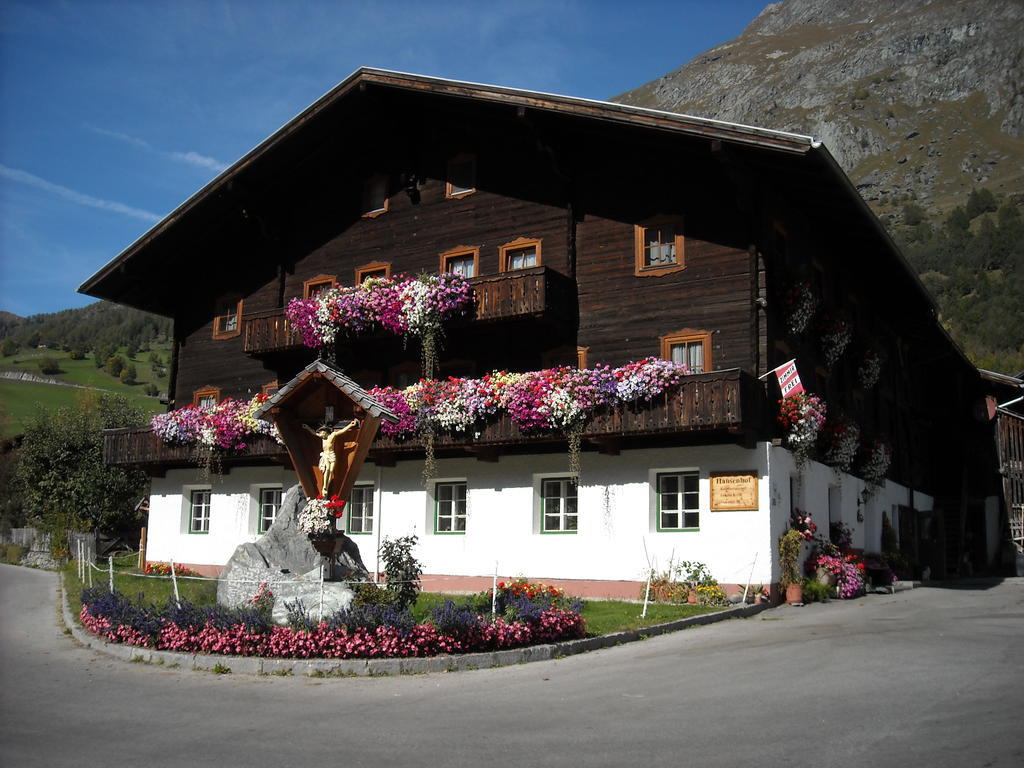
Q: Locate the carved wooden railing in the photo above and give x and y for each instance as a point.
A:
(533, 292)
(722, 401)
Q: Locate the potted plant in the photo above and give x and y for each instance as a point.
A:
(789, 554)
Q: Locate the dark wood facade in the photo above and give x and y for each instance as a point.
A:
(757, 211)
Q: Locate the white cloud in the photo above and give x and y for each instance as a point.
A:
(78, 198)
(188, 158)
(200, 161)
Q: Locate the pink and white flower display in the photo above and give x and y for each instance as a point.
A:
(803, 416)
(226, 425)
(413, 306)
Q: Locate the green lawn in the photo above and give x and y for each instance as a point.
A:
(20, 399)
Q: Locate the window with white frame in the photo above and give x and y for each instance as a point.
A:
(269, 504)
(360, 510)
(450, 507)
(558, 509)
(199, 511)
(678, 500)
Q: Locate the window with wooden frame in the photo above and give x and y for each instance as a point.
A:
(450, 507)
(373, 269)
(689, 347)
(375, 195)
(227, 319)
(460, 176)
(199, 511)
(317, 285)
(677, 499)
(269, 505)
(461, 261)
(558, 507)
(207, 397)
(659, 246)
(521, 253)
(360, 509)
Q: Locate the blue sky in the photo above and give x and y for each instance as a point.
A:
(113, 113)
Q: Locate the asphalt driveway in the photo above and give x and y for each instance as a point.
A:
(927, 677)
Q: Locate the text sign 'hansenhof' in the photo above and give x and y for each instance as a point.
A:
(732, 491)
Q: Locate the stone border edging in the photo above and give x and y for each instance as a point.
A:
(257, 665)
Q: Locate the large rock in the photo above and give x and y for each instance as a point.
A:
(284, 558)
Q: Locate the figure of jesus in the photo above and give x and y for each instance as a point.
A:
(328, 455)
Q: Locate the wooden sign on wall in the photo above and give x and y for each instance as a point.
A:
(733, 491)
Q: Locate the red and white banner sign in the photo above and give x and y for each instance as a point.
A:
(789, 378)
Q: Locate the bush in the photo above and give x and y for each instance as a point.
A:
(151, 390)
(403, 571)
(49, 365)
(12, 553)
(816, 592)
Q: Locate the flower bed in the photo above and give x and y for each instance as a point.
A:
(164, 569)
(371, 631)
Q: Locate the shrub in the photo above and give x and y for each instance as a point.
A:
(49, 365)
(403, 571)
(12, 553)
(816, 592)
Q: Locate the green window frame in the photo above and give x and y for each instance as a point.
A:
(450, 508)
(559, 511)
(678, 501)
(360, 510)
(199, 511)
(269, 505)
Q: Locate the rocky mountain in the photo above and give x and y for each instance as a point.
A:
(917, 99)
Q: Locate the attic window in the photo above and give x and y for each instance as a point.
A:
(317, 285)
(375, 195)
(373, 269)
(461, 261)
(227, 321)
(659, 246)
(521, 253)
(460, 176)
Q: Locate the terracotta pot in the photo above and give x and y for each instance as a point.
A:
(691, 596)
(794, 593)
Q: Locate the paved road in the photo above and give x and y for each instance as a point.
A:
(929, 677)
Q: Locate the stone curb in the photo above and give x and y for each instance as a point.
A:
(254, 665)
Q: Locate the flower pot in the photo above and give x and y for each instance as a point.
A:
(326, 545)
(794, 593)
(691, 597)
(825, 577)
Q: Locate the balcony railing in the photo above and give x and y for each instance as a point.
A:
(533, 292)
(730, 402)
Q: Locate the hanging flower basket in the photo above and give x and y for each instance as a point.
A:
(839, 442)
(319, 517)
(835, 333)
(802, 415)
(869, 370)
(875, 462)
(799, 303)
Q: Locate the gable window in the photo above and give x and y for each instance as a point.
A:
(360, 510)
(373, 269)
(461, 261)
(450, 507)
(199, 511)
(227, 321)
(460, 176)
(521, 253)
(659, 247)
(678, 501)
(689, 347)
(317, 285)
(375, 195)
(558, 509)
(207, 397)
(270, 503)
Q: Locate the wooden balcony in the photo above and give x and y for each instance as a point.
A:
(535, 292)
(719, 405)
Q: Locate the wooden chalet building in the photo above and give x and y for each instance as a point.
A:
(593, 233)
